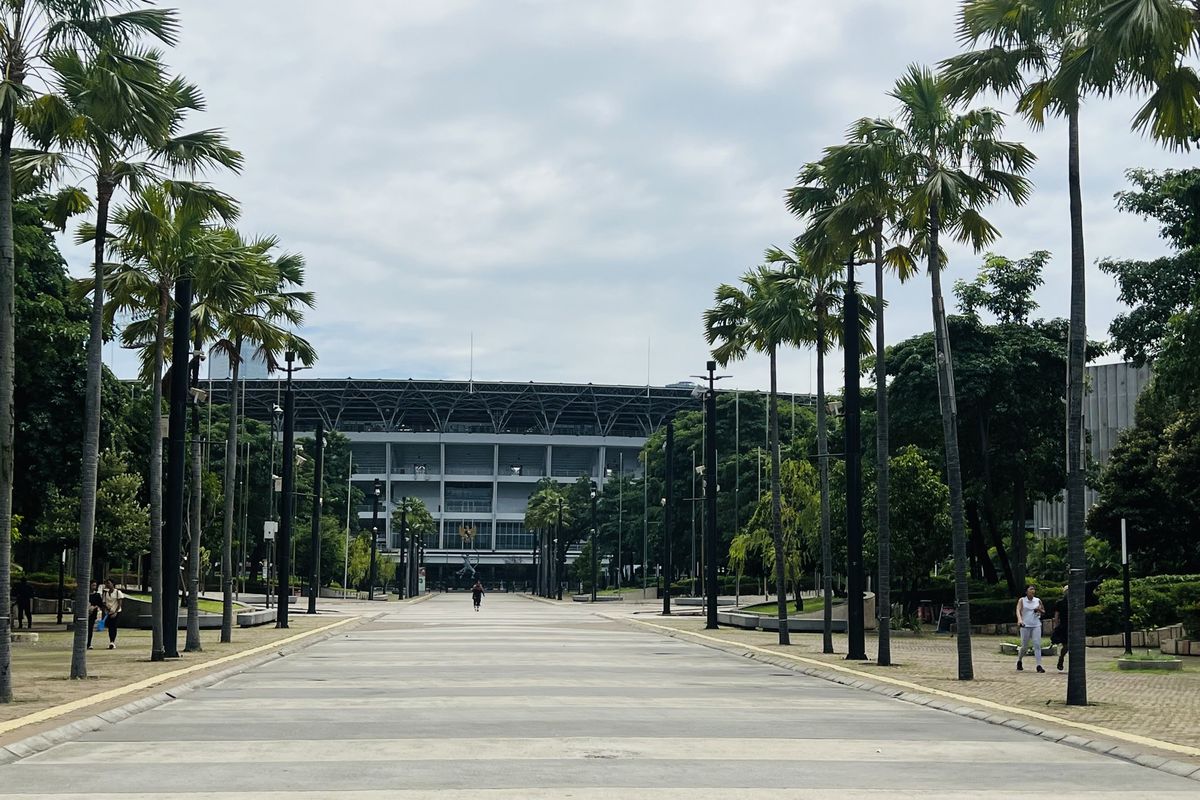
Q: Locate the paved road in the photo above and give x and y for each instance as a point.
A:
(528, 700)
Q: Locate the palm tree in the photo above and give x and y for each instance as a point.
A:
(260, 318)
(1028, 52)
(817, 281)
(115, 118)
(850, 196)
(30, 31)
(767, 314)
(165, 231)
(958, 164)
(1146, 46)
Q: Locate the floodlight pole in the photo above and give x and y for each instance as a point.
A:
(855, 622)
(668, 515)
(315, 544)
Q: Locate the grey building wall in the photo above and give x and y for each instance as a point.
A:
(1109, 407)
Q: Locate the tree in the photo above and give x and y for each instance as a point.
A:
(164, 232)
(821, 293)
(31, 32)
(958, 164)
(115, 115)
(800, 511)
(851, 196)
(274, 298)
(1158, 290)
(1033, 53)
(1147, 46)
(921, 531)
(769, 313)
(417, 523)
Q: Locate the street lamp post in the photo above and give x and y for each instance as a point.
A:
(315, 544)
(1125, 603)
(374, 538)
(595, 576)
(668, 504)
(710, 493)
(855, 622)
(560, 552)
(288, 468)
(402, 577)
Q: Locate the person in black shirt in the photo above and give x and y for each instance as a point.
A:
(95, 607)
(24, 594)
(1059, 636)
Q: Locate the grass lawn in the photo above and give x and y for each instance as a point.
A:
(772, 608)
(206, 606)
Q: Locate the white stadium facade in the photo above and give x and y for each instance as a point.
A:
(473, 452)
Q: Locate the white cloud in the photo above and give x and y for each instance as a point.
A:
(570, 180)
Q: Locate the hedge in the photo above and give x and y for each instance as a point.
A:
(1156, 601)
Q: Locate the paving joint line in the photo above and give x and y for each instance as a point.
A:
(248, 659)
(910, 692)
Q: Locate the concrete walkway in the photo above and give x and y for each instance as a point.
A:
(530, 700)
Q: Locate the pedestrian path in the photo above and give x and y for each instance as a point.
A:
(531, 700)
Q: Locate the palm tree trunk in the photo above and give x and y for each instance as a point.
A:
(989, 509)
(776, 509)
(7, 419)
(155, 480)
(823, 467)
(883, 595)
(1020, 554)
(945, 370)
(1076, 356)
(231, 441)
(90, 462)
(192, 640)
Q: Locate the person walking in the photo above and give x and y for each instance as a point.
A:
(24, 593)
(113, 599)
(1029, 617)
(95, 609)
(477, 594)
(1059, 635)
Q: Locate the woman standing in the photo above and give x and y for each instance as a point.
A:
(113, 599)
(1029, 617)
(477, 594)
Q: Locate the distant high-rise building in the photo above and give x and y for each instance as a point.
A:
(252, 366)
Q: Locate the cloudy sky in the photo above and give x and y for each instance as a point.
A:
(566, 182)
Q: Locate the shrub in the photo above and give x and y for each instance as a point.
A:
(1103, 620)
(1155, 601)
(1190, 617)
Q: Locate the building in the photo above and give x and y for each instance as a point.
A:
(1109, 407)
(253, 365)
(473, 451)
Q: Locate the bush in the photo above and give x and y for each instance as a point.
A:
(1154, 602)
(1191, 621)
(989, 611)
(1103, 620)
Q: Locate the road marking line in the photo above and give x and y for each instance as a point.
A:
(1145, 741)
(111, 694)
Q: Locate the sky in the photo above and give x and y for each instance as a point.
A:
(537, 190)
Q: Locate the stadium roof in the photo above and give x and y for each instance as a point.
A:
(491, 407)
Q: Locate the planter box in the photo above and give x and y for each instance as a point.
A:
(1180, 647)
(1175, 664)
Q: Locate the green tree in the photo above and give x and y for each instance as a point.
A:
(958, 164)
(1031, 51)
(115, 117)
(851, 195)
(1148, 46)
(821, 293)
(800, 510)
(31, 33)
(921, 529)
(164, 232)
(417, 524)
(767, 314)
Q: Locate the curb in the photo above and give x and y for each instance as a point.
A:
(23, 748)
(1180, 769)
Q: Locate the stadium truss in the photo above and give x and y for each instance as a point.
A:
(391, 406)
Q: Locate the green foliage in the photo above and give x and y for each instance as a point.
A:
(417, 519)
(1190, 617)
(360, 560)
(753, 549)
(1154, 602)
(920, 518)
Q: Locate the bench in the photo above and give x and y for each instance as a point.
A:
(249, 619)
(738, 620)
